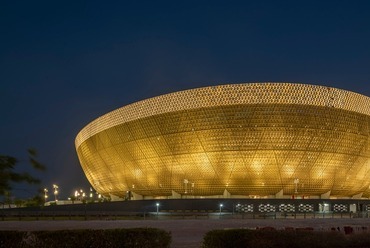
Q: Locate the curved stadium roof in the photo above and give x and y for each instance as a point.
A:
(247, 139)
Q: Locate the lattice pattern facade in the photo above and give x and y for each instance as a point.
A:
(340, 208)
(244, 208)
(305, 208)
(266, 208)
(288, 208)
(248, 139)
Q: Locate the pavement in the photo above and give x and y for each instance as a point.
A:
(189, 233)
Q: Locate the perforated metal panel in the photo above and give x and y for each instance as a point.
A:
(244, 208)
(305, 208)
(250, 139)
(340, 208)
(288, 208)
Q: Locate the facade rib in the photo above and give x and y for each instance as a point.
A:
(258, 139)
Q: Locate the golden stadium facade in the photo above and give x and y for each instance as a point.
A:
(237, 140)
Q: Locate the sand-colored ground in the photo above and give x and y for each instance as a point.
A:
(189, 233)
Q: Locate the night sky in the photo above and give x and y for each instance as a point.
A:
(63, 64)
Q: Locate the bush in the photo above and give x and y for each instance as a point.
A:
(243, 238)
(135, 237)
(10, 238)
(227, 238)
(361, 240)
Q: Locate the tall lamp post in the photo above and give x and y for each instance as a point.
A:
(157, 204)
(91, 194)
(221, 205)
(82, 195)
(77, 195)
(55, 187)
(46, 194)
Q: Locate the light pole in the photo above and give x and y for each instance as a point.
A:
(82, 195)
(77, 195)
(221, 205)
(157, 204)
(55, 187)
(46, 194)
(91, 194)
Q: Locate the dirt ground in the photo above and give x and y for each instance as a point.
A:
(189, 233)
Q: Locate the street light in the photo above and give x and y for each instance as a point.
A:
(91, 193)
(157, 204)
(55, 187)
(82, 195)
(77, 195)
(221, 205)
(46, 194)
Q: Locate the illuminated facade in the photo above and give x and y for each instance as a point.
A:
(240, 140)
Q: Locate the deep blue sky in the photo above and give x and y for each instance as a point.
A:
(63, 64)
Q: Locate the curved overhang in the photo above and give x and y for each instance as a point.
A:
(226, 95)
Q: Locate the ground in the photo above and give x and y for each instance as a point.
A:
(189, 233)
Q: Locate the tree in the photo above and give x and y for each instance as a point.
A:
(8, 175)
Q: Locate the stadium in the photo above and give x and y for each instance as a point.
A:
(251, 140)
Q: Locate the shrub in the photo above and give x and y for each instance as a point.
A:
(10, 238)
(135, 237)
(227, 238)
(243, 238)
(360, 240)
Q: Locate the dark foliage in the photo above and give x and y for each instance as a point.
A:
(10, 239)
(136, 237)
(32, 158)
(302, 238)
(8, 175)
